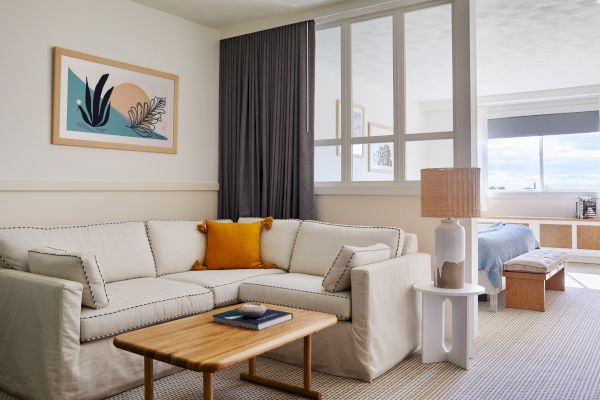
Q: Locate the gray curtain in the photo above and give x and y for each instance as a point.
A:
(266, 123)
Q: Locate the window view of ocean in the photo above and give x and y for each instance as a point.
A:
(570, 162)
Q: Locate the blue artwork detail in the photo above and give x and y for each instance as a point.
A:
(116, 124)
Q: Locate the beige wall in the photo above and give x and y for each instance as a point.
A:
(386, 210)
(43, 208)
(124, 31)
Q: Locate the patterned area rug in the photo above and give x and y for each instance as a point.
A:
(520, 355)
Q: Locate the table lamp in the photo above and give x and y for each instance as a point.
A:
(450, 193)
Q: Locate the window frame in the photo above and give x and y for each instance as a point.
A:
(399, 185)
(525, 104)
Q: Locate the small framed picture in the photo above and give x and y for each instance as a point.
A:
(358, 127)
(381, 155)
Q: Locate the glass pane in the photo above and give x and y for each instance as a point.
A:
(328, 81)
(427, 154)
(328, 164)
(376, 163)
(428, 69)
(372, 77)
(572, 161)
(514, 163)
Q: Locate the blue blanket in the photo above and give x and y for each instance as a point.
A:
(501, 242)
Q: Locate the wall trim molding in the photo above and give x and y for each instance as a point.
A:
(98, 186)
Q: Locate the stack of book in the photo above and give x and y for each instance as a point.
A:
(269, 318)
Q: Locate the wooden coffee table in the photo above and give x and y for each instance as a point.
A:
(199, 344)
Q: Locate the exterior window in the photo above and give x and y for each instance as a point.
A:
(514, 164)
(383, 97)
(570, 162)
(544, 152)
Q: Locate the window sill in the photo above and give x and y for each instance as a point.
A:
(368, 188)
(542, 194)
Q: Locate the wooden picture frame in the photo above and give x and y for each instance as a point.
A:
(135, 110)
(358, 127)
(376, 129)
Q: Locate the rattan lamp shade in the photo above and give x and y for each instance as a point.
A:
(450, 193)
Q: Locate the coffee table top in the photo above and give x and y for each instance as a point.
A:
(200, 344)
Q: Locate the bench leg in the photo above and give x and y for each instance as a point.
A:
(493, 306)
(557, 282)
(525, 294)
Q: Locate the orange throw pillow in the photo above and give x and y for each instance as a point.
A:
(233, 245)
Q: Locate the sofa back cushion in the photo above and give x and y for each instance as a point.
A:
(318, 243)
(176, 244)
(276, 244)
(122, 248)
(411, 243)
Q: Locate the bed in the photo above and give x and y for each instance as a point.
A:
(499, 243)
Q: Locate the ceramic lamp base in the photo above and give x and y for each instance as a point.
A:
(452, 276)
(450, 255)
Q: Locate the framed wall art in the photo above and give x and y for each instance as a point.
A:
(103, 103)
(381, 155)
(358, 127)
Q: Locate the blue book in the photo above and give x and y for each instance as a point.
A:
(269, 318)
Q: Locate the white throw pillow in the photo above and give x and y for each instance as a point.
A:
(338, 277)
(72, 266)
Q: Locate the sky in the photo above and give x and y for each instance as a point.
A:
(571, 162)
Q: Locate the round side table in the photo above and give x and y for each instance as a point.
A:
(433, 348)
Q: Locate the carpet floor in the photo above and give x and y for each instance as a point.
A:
(519, 355)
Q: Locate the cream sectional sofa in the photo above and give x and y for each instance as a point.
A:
(53, 348)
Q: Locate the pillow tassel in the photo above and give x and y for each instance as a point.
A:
(197, 266)
(267, 223)
(203, 227)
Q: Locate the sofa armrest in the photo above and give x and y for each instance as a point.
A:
(386, 311)
(39, 333)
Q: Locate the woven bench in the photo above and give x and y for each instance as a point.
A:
(530, 274)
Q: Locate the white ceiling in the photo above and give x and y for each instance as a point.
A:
(218, 14)
(537, 44)
(522, 45)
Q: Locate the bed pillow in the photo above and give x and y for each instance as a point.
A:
(233, 245)
(338, 277)
(72, 266)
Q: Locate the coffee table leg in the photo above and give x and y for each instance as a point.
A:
(208, 385)
(252, 366)
(304, 390)
(307, 361)
(148, 378)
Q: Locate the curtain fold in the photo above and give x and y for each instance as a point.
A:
(266, 104)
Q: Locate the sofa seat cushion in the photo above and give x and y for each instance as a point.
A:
(225, 284)
(297, 290)
(136, 303)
